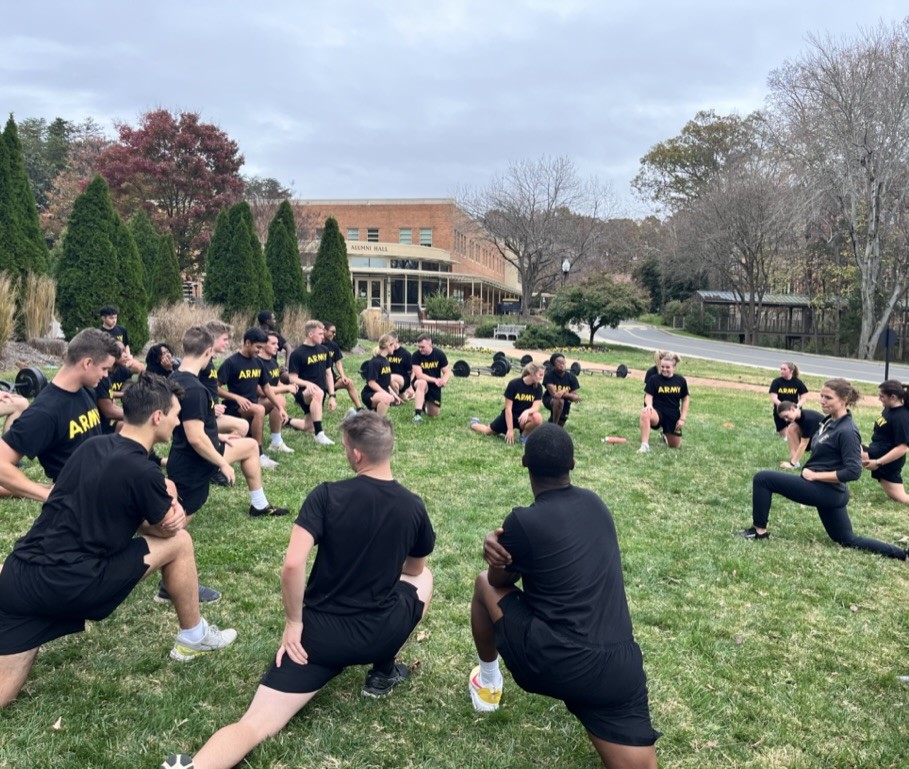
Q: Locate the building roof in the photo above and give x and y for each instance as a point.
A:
(779, 300)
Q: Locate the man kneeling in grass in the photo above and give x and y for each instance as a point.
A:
(80, 560)
(368, 589)
(567, 634)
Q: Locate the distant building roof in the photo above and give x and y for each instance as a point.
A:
(769, 299)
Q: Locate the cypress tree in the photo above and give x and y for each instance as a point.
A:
(244, 293)
(259, 276)
(30, 252)
(332, 296)
(167, 283)
(7, 229)
(88, 267)
(217, 259)
(149, 244)
(282, 258)
(131, 299)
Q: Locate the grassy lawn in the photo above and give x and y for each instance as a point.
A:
(759, 654)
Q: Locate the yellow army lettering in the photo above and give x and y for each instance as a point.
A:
(429, 365)
(667, 390)
(319, 357)
(788, 391)
(250, 373)
(524, 397)
(880, 421)
(83, 423)
(385, 370)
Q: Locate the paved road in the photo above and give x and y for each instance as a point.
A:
(648, 337)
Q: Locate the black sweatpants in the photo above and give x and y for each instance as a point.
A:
(830, 499)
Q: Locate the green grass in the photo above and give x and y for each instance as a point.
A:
(759, 654)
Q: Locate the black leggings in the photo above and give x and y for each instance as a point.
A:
(830, 500)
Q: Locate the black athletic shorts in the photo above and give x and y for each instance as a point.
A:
(781, 424)
(668, 420)
(41, 603)
(336, 641)
(891, 472)
(193, 494)
(301, 402)
(499, 427)
(433, 394)
(604, 687)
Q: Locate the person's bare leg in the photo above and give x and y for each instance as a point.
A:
(256, 416)
(268, 714)
(531, 423)
(246, 452)
(419, 395)
(175, 557)
(556, 405)
(14, 670)
(12, 409)
(896, 491)
(228, 425)
(423, 583)
(315, 405)
(482, 429)
(433, 410)
(649, 420)
(354, 395)
(615, 756)
(793, 439)
(484, 613)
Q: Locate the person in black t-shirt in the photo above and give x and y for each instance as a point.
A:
(269, 325)
(221, 333)
(567, 634)
(82, 558)
(521, 413)
(366, 592)
(560, 389)
(802, 425)
(111, 413)
(310, 369)
(377, 393)
(110, 326)
(273, 372)
(63, 415)
(401, 369)
(886, 454)
(240, 378)
(430, 373)
(666, 403)
(342, 381)
(160, 360)
(786, 387)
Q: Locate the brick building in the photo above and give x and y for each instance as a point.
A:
(402, 251)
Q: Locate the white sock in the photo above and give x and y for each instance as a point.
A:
(645, 444)
(276, 439)
(257, 498)
(194, 634)
(491, 674)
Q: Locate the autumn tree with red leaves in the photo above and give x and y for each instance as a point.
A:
(181, 171)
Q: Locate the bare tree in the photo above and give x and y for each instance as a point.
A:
(537, 214)
(742, 222)
(841, 115)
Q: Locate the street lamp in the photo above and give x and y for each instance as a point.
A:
(566, 268)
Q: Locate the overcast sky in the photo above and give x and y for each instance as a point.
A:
(414, 98)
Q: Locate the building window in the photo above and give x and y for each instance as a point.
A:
(425, 236)
(429, 266)
(372, 234)
(353, 233)
(405, 236)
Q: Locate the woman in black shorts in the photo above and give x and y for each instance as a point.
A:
(786, 387)
(886, 455)
(803, 424)
(836, 459)
(377, 393)
(523, 401)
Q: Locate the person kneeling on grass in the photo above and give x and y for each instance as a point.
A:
(666, 402)
(367, 591)
(521, 414)
(80, 560)
(567, 634)
(802, 425)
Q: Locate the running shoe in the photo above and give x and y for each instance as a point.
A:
(350, 412)
(206, 594)
(474, 420)
(485, 699)
(323, 440)
(416, 419)
(281, 447)
(380, 684)
(268, 510)
(214, 639)
(751, 533)
(220, 479)
(267, 463)
(645, 449)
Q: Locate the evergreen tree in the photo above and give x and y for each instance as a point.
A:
(149, 244)
(88, 267)
(259, 276)
(217, 259)
(332, 296)
(244, 292)
(27, 247)
(282, 258)
(7, 229)
(167, 285)
(131, 298)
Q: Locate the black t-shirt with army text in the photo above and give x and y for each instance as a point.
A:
(667, 392)
(522, 396)
(185, 466)
(310, 362)
(891, 429)
(401, 363)
(241, 376)
(788, 389)
(431, 364)
(566, 383)
(56, 423)
(272, 370)
(118, 332)
(378, 370)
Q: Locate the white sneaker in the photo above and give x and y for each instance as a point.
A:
(267, 463)
(645, 448)
(323, 440)
(350, 412)
(281, 448)
(214, 639)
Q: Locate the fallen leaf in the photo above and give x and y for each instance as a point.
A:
(58, 724)
(853, 608)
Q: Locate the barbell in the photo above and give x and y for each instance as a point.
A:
(499, 367)
(621, 370)
(28, 383)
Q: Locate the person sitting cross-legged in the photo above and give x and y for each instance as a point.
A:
(368, 589)
(81, 558)
(567, 634)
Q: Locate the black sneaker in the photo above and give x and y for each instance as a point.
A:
(751, 533)
(268, 510)
(206, 594)
(380, 685)
(220, 479)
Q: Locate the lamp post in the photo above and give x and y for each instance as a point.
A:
(566, 268)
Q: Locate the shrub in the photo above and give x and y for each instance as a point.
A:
(546, 337)
(169, 321)
(332, 297)
(7, 309)
(485, 330)
(292, 324)
(408, 336)
(671, 310)
(439, 307)
(373, 325)
(37, 309)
